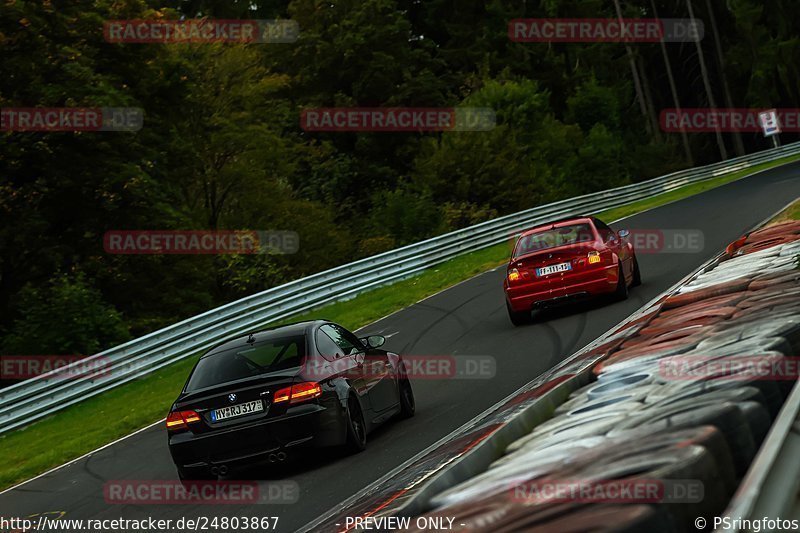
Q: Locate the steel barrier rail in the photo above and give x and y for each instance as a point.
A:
(771, 487)
(35, 398)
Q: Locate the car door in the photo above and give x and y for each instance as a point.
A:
(346, 366)
(617, 245)
(377, 369)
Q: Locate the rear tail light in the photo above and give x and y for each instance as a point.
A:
(299, 392)
(180, 420)
(513, 275)
(594, 257)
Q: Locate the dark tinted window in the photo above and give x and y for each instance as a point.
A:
(602, 228)
(247, 361)
(553, 238)
(327, 347)
(347, 342)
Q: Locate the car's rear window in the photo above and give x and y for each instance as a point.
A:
(246, 361)
(553, 238)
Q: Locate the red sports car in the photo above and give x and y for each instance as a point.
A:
(565, 260)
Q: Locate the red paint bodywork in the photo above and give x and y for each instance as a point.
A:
(584, 280)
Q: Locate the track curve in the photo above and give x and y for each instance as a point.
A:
(468, 319)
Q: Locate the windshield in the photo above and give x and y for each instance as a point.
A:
(553, 238)
(247, 361)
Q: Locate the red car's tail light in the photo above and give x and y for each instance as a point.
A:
(299, 392)
(180, 420)
(594, 257)
(513, 275)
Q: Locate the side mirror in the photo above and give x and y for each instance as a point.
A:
(374, 341)
(623, 233)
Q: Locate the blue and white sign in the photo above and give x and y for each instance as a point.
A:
(769, 122)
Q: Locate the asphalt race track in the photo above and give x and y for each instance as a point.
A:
(468, 319)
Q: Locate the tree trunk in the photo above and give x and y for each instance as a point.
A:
(707, 83)
(674, 91)
(737, 136)
(648, 95)
(636, 81)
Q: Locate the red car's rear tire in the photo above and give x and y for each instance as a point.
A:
(621, 293)
(637, 275)
(519, 318)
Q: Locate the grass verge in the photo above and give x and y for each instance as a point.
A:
(790, 213)
(96, 421)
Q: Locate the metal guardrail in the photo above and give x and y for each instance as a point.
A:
(771, 488)
(43, 395)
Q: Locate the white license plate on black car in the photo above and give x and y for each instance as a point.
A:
(237, 410)
(553, 269)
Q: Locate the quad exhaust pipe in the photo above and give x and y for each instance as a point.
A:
(219, 470)
(277, 457)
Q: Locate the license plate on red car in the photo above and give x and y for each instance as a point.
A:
(553, 269)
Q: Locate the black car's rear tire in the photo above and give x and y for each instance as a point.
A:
(621, 293)
(519, 318)
(356, 428)
(407, 403)
(637, 275)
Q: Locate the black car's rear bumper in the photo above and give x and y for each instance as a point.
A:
(308, 425)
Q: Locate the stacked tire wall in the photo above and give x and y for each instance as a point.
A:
(685, 393)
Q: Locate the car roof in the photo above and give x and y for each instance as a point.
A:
(560, 222)
(286, 330)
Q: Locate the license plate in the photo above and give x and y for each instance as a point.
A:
(553, 269)
(237, 410)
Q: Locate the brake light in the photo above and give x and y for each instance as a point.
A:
(299, 392)
(282, 395)
(594, 257)
(513, 275)
(180, 420)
